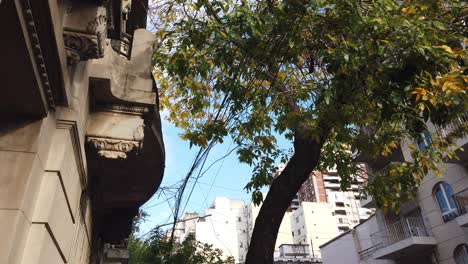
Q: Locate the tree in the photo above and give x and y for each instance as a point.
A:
(341, 79)
(157, 249)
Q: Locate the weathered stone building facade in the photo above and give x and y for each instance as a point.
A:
(80, 134)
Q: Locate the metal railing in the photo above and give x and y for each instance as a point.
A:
(123, 46)
(366, 253)
(461, 201)
(405, 228)
(454, 125)
(287, 250)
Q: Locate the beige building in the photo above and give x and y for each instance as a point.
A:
(284, 233)
(80, 136)
(433, 229)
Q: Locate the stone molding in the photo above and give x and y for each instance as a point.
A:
(114, 148)
(86, 43)
(80, 158)
(37, 51)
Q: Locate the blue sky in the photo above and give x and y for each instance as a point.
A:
(225, 178)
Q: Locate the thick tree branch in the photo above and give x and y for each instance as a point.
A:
(282, 191)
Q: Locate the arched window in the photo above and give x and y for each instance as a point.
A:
(461, 254)
(444, 196)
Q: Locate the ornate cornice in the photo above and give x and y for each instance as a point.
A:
(37, 51)
(114, 148)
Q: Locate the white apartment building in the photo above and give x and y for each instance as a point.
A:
(225, 228)
(185, 226)
(346, 206)
(433, 229)
(313, 224)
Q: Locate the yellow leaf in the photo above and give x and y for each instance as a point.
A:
(420, 91)
(378, 20)
(421, 107)
(446, 48)
(408, 10)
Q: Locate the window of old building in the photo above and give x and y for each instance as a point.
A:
(444, 195)
(461, 254)
(424, 140)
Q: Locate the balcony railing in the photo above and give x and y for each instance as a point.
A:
(405, 228)
(123, 46)
(461, 201)
(295, 250)
(454, 125)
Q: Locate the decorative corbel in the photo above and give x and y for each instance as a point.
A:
(85, 32)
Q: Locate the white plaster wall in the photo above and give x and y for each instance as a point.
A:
(341, 250)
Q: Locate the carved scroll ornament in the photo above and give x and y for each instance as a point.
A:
(114, 148)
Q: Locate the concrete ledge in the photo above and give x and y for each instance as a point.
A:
(406, 246)
(462, 220)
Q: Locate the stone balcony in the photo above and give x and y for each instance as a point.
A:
(124, 147)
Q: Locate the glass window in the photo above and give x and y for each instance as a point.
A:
(424, 140)
(444, 196)
(461, 254)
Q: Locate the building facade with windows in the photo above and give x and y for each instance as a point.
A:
(81, 146)
(225, 227)
(431, 229)
(325, 187)
(313, 224)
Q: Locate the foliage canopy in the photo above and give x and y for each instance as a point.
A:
(366, 77)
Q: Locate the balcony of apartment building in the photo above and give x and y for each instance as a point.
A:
(124, 144)
(339, 206)
(364, 213)
(328, 177)
(406, 237)
(461, 212)
(332, 185)
(461, 142)
(342, 222)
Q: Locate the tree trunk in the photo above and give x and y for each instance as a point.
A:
(282, 191)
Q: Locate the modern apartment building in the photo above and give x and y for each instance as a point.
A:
(324, 187)
(313, 224)
(431, 229)
(80, 136)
